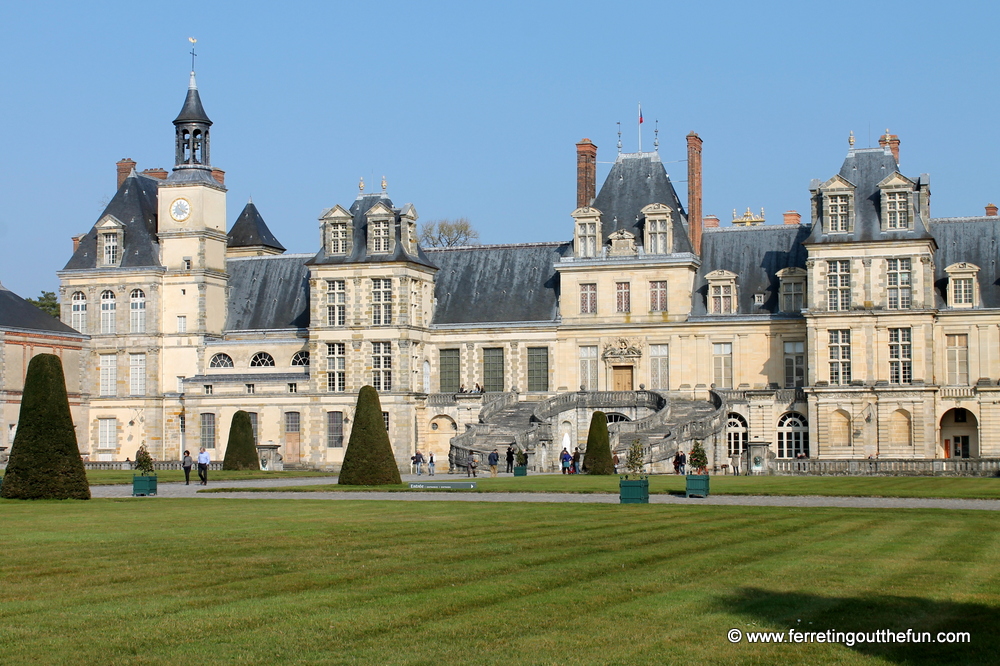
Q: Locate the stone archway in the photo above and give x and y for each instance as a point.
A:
(439, 433)
(959, 434)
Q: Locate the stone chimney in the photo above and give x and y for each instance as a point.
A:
(159, 174)
(76, 242)
(991, 210)
(586, 173)
(892, 141)
(125, 167)
(219, 175)
(694, 190)
(710, 222)
(792, 217)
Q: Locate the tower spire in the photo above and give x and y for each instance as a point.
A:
(191, 128)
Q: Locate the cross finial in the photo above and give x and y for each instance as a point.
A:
(619, 137)
(193, 54)
(656, 135)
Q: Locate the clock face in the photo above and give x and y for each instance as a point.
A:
(180, 209)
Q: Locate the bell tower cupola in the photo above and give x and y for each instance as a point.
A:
(192, 133)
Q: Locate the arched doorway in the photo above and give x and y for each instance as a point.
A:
(441, 429)
(959, 434)
(793, 436)
(737, 434)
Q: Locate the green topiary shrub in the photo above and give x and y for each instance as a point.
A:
(698, 460)
(634, 461)
(44, 459)
(521, 458)
(241, 453)
(368, 460)
(143, 461)
(597, 460)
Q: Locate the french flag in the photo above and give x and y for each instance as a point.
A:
(640, 114)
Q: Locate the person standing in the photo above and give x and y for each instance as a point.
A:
(677, 463)
(735, 462)
(576, 461)
(683, 462)
(614, 461)
(203, 461)
(186, 462)
(494, 460)
(418, 460)
(471, 466)
(565, 458)
(510, 458)
(430, 464)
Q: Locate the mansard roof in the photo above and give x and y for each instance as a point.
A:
(491, 284)
(974, 240)
(269, 292)
(15, 312)
(250, 230)
(635, 181)
(755, 255)
(134, 205)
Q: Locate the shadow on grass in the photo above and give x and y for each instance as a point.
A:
(780, 611)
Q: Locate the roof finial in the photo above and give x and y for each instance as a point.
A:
(361, 184)
(383, 184)
(193, 54)
(619, 137)
(250, 200)
(850, 139)
(656, 136)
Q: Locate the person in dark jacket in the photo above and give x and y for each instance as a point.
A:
(510, 459)
(494, 460)
(576, 461)
(187, 463)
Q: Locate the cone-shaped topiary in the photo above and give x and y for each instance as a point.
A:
(597, 460)
(44, 459)
(241, 453)
(368, 460)
(698, 460)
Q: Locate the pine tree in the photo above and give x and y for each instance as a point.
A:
(597, 459)
(698, 460)
(241, 453)
(369, 460)
(44, 459)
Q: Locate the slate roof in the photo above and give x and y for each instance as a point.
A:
(497, 283)
(865, 168)
(15, 312)
(269, 292)
(635, 181)
(251, 231)
(134, 205)
(975, 240)
(192, 111)
(359, 252)
(755, 254)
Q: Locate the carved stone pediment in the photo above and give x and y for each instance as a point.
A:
(622, 244)
(621, 348)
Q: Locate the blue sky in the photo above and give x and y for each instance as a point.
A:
(473, 109)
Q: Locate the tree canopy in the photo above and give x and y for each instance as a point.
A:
(448, 233)
(47, 303)
(369, 460)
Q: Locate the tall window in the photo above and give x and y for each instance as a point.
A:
(737, 434)
(588, 298)
(587, 233)
(137, 374)
(795, 364)
(379, 230)
(336, 302)
(658, 296)
(382, 366)
(182, 323)
(962, 294)
(791, 296)
(110, 248)
(493, 369)
(385, 420)
(722, 299)
(336, 367)
(623, 296)
(208, 431)
(292, 422)
(107, 433)
(109, 374)
(793, 436)
(381, 302)
(838, 282)
(722, 364)
(838, 213)
(659, 367)
(538, 368)
(900, 350)
(588, 368)
(958, 359)
(137, 311)
(898, 215)
(79, 316)
(108, 312)
(334, 430)
(840, 356)
(657, 237)
(254, 422)
(899, 283)
(450, 370)
(338, 238)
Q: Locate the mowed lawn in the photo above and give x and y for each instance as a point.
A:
(183, 581)
(849, 486)
(101, 477)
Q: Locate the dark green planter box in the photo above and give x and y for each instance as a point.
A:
(633, 491)
(143, 485)
(697, 484)
(521, 471)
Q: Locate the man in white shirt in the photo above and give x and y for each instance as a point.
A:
(203, 460)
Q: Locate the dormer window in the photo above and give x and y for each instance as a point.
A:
(588, 229)
(110, 244)
(837, 200)
(722, 295)
(838, 213)
(963, 285)
(336, 230)
(658, 229)
(897, 211)
(109, 241)
(379, 230)
(793, 290)
(338, 238)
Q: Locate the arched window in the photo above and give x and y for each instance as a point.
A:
(137, 311)
(79, 312)
(108, 312)
(301, 358)
(617, 418)
(840, 428)
(900, 430)
(221, 361)
(737, 434)
(793, 436)
(262, 360)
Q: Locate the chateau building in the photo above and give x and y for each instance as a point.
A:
(869, 330)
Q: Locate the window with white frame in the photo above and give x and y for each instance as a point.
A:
(793, 436)
(251, 389)
(795, 364)
(108, 311)
(381, 302)
(898, 279)
(838, 213)
(722, 365)
(137, 311)
(338, 238)
(254, 423)
(897, 210)
(962, 292)
(79, 311)
(379, 230)
(588, 298)
(334, 430)
(137, 374)
(111, 250)
(963, 285)
(182, 323)
(900, 356)
(588, 368)
(336, 367)
(385, 420)
(840, 356)
(221, 361)
(107, 433)
(262, 360)
(657, 236)
(586, 233)
(208, 431)
(623, 296)
(958, 359)
(838, 285)
(336, 302)
(382, 366)
(658, 296)
(737, 434)
(109, 374)
(659, 367)
(722, 298)
(300, 359)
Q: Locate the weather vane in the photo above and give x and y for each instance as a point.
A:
(193, 54)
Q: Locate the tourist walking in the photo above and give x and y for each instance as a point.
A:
(565, 458)
(614, 461)
(735, 462)
(494, 461)
(677, 463)
(430, 464)
(186, 462)
(576, 461)
(510, 458)
(471, 465)
(203, 460)
(418, 460)
(683, 463)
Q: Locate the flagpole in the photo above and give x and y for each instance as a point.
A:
(640, 128)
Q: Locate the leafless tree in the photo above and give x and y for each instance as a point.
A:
(448, 233)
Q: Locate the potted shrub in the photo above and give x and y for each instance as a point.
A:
(521, 463)
(697, 483)
(633, 486)
(145, 483)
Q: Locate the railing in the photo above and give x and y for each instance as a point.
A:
(786, 396)
(441, 400)
(888, 467)
(597, 399)
(683, 436)
(494, 403)
(123, 465)
(958, 392)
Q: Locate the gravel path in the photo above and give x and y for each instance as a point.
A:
(181, 490)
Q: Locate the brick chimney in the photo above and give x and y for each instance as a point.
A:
(892, 141)
(991, 210)
(586, 173)
(125, 167)
(219, 175)
(710, 222)
(159, 174)
(694, 190)
(76, 242)
(792, 217)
